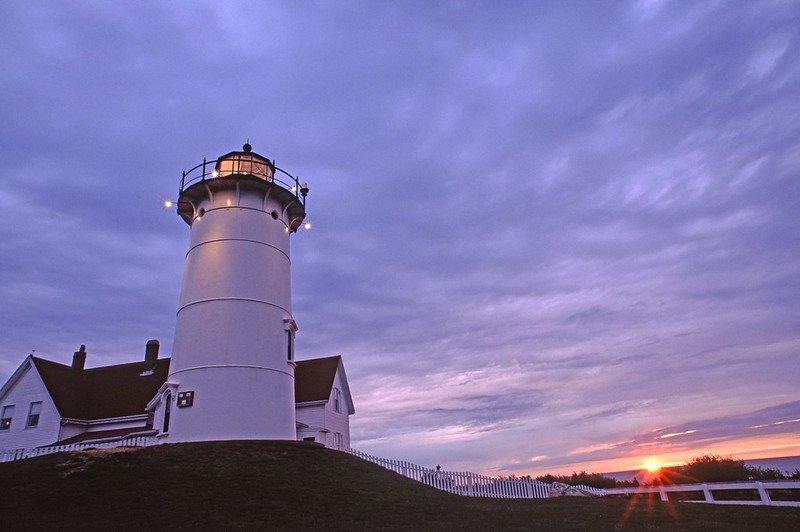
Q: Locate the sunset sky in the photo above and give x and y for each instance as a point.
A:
(547, 236)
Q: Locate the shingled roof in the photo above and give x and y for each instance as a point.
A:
(101, 393)
(313, 380)
(122, 390)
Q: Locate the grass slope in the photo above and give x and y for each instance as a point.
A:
(297, 486)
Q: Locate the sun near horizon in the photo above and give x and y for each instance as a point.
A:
(652, 466)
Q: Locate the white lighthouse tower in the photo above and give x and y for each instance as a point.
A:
(232, 369)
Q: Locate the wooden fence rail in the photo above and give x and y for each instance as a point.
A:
(761, 490)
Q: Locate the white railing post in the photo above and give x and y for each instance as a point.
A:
(763, 493)
(707, 493)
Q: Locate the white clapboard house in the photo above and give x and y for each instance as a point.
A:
(47, 403)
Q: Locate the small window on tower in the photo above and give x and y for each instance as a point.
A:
(5, 419)
(33, 414)
(290, 345)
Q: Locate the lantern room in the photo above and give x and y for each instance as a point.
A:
(244, 163)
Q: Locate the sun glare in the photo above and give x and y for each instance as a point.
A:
(652, 466)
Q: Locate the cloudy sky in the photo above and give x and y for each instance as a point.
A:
(547, 236)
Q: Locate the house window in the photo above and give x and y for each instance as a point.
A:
(5, 419)
(167, 407)
(337, 440)
(33, 414)
(337, 400)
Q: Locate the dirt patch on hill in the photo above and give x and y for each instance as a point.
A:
(75, 462)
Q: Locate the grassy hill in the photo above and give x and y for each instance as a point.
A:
(297, 486)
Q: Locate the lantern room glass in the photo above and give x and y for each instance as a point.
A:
(245, 164)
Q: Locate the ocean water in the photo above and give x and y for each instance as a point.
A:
(786, 465)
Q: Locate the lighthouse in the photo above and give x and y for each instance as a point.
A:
(232, 369)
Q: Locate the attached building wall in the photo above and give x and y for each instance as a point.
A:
(337, 422)
(324, 422)
(312, 415)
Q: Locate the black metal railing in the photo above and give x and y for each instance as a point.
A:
(262, 169)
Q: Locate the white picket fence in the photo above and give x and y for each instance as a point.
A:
(473, 485)
(464, 483)
(20, 454)
(760, 488)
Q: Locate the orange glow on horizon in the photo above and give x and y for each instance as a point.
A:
(742, 448)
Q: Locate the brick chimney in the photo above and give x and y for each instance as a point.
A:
(79, 358)
(150, 355)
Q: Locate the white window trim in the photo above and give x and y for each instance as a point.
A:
(290, 327)
(337, 400)
(166, 388)
(166, 416)
(30, 414)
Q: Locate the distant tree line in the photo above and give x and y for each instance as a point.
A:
(594, 480)
(704, 468)
(715, 468)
